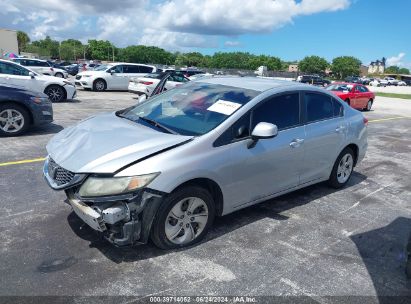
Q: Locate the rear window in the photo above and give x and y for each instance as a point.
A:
(318, 107)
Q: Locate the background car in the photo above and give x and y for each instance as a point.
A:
(57, 89)
(356, 95)
(391, 81)
(353, 79)
(145, 85)
(376, 82)
(21, 109)
(41, 67)
(313, 79)
(112, 76)
(401, 83)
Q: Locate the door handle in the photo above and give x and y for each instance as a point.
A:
(340, 129)
(296, 143)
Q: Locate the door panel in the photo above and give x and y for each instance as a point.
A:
(270, 167)
(323, 143)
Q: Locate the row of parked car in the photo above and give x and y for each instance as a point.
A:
(378, 82)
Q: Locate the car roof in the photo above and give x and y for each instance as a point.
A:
(250, 83)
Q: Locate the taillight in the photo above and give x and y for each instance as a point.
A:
(365, 120)
(146, 82)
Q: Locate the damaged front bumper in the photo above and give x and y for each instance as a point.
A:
(124, 220)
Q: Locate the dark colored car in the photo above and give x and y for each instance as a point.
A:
(316, 80)
(72, 69)
(408, 266)
(353, 79)
(21, 109)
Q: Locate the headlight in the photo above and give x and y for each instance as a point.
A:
(39, 100)
(68, 83)
(103, 186)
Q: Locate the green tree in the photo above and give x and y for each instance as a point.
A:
(345, 66)
(47, 47)
(100, 49)
(22, 40)
(72, 49)
(392, 69)
(313, 65)
(404, 71)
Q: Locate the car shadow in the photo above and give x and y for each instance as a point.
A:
(44, 130)
(384, 254)
(222, 225)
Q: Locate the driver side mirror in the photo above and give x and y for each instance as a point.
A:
(262, 130)
(32, 75)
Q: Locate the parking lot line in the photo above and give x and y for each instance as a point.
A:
(385, 119)
(25, 161)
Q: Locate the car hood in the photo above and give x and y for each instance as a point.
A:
(50, 79)
(106, 143)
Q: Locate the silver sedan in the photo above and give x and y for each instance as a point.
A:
(166, 167)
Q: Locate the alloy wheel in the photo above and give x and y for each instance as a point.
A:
(186, 220)
(11, 121)
(55, 93)
(99, 85)
(345, 168)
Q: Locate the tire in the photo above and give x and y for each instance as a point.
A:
(369, 105)
(55, 92)
(14, 119)
(339, 176)
(99, 85)
(177, 225)
(347, 101)
(59, 75)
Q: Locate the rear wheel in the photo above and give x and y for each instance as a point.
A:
(183, 218)
(14, 120)
(342, 169)
(369, 105)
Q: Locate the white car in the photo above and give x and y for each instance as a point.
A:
(145, 85)
(198, 76)
(115, 76)
(41, 67)
(391, 81)
(378, 82)
(57, 89)
(402, 83)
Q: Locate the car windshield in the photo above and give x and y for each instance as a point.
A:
(339, 87)
(191, 109)
(102, 67)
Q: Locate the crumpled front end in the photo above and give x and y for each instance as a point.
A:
(124, 220)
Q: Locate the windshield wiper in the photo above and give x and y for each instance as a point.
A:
(158, 125)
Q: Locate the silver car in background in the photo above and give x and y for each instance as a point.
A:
(166, 167)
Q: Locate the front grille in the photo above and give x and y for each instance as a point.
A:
(60, 175)
(78, 77)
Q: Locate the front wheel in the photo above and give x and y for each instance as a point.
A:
(59, 75)
(342, 169)
(14, 120)
(55, 92)
(183, 218)
(99, 85)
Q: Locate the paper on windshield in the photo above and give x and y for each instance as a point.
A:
(224, 107)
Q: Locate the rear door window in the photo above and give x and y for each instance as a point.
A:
(131, 69)
(145, 69)
(318, 107)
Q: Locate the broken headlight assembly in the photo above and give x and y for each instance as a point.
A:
(107, 186)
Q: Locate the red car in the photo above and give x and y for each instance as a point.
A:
(356, 95)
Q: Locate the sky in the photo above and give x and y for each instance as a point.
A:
(289, 29)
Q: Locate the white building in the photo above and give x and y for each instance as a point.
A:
(8, 42)
(377, 67)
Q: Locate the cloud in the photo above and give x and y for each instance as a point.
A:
(176, 41)
(236, 17)
(172, 24)
(232, 43)
(396, 60)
